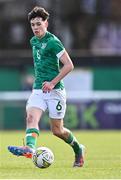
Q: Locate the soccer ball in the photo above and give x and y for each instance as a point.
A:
(43, 157)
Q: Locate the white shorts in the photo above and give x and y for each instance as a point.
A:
(54, 101)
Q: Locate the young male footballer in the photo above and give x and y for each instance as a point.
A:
(48, 89)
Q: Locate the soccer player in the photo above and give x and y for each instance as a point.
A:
(48, 89)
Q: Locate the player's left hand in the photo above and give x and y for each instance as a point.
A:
(47, 86)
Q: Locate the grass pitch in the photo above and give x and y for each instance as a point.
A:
(103, 158)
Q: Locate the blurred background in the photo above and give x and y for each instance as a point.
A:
(91, 32)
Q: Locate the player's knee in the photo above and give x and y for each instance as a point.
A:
(30, 119)
(57, 132)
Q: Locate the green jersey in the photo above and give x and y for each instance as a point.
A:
(46, 53)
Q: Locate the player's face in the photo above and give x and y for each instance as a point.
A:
(39, 27)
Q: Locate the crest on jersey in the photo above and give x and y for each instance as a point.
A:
(43, 45)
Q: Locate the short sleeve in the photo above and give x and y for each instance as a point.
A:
(57, 48)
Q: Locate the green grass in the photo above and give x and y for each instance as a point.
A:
(103, 158)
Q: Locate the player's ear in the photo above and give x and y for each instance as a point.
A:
(46, 23)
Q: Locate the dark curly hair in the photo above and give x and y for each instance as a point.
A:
(38, 12)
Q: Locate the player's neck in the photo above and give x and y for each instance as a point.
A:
(43, 35)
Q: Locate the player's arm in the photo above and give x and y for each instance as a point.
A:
(67, 67)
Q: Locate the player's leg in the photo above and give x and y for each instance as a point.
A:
(57, 107)
(65, 134)
(32, 132)
(35, 108)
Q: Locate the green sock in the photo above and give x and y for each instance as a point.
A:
(31, 137)
(72, 141)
